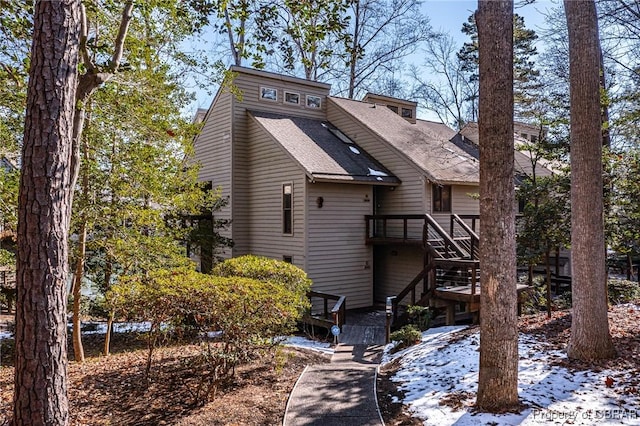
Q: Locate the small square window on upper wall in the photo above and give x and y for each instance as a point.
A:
(268, 93)
(292, 98)
(407, 113)
(314, 101)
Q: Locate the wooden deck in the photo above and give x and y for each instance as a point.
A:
(465, 294)
(449, 297)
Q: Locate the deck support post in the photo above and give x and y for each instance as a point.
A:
(451, 314)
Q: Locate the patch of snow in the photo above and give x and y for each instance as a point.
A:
(376, 172)
(118, 327)
(303, 342)
(438, 367)
(354, 149)
(213, 334)
(5, 335)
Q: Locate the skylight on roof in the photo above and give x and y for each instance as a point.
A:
(337, 133)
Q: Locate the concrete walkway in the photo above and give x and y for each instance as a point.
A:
(341, 392)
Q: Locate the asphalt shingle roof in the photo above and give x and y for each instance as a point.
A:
(426, 144)
(322, 151)
(522, 160)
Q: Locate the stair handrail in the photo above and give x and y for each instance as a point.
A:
(442, 234)
(411, 288)
(475, 239)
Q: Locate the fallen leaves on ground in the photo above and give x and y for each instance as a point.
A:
(112, 390)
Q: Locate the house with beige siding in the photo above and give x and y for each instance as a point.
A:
(356, 193)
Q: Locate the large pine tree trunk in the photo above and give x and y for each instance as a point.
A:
(43, 218)
(498, 376)
(590, 337)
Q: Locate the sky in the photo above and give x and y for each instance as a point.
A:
(446, 16)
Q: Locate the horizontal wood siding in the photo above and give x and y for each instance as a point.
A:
(392, 273)
(249, 84)
(270, 169)
(462, 202)
(213, 154)
(406, 198)
(464, 199)
(395, 267)
(338, 260)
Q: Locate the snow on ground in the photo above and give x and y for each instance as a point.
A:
(303, 342)
(438, 368)
(118, 327)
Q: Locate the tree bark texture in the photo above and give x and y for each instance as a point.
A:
(498, 376)
(590, 336)
(40, 396)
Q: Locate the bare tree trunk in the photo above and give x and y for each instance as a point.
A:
(44, 213)
(590, 337)
(107, 337)
(548, 280)
(78, 350)
(355, 49)
(498, 375)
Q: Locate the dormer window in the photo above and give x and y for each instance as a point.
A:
(393, 108)
(314, 101)
(292, 98)
(268, 94)
(407, 113)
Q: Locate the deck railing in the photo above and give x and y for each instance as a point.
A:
(466, 235)
(416, 229)
(394, 228)
(327, 317)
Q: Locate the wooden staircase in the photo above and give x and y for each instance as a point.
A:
(453, 268)
(451, 273)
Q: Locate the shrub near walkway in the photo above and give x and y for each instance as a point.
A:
(245, 314)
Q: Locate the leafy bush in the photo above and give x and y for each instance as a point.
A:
(265, 269)
(623, 291)
(535, 299)
(7, 258)
(563, 301)
(420, 316)
(619, 291)
(246, 313)
(406, 336)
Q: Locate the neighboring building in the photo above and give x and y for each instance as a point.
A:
(309, 178)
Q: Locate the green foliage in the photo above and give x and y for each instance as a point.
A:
(406, 336)
(7, 258)
(545, 220)
(310, 32)
(564, 301)
(247, 313)
(535, 299)
(623, 233)
(265, 269)
(420, 316)
(618, 291)
(9, 183)
(623, 291)
(525, 75)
